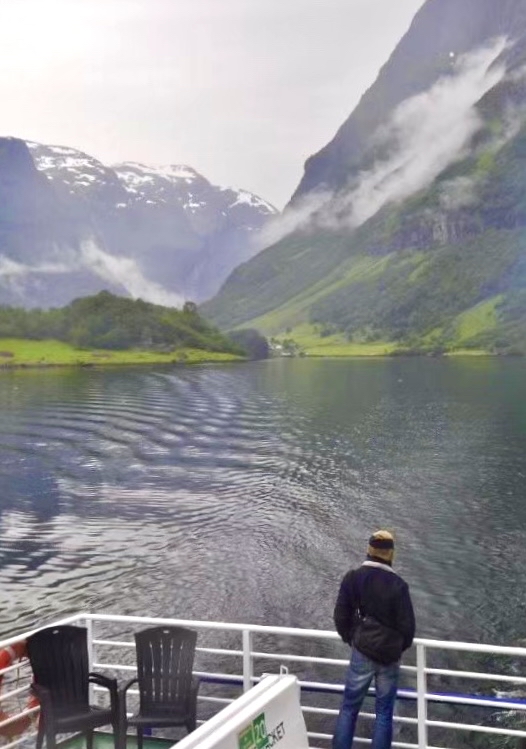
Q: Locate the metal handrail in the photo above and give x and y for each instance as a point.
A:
(248, 654)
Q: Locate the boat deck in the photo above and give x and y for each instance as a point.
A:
(102, 740)
(451, 692)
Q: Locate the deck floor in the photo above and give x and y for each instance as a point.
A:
(105, 741)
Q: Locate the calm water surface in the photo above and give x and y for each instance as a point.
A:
(244, 492)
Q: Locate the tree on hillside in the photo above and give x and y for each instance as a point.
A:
(111, 322)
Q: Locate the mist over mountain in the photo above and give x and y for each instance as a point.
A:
(441, 33)
(410, 225)
(71, 226)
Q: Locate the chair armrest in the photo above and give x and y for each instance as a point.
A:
(128, 684)
(123, 690)
(103, 681)
(108, 683)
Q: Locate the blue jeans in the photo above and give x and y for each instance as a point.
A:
(359, 677)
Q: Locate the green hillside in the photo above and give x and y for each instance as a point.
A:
(421, 242)
(417, 275)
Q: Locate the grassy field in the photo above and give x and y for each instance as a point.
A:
(479, 319)
(350, 349)
(468, 352)
(311, 344)
(17, 352)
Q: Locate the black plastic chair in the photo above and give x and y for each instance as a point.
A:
(167, 689)
(61, 679)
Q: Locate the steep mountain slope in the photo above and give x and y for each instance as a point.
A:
(70, 226)
(442, 31)
(420, 233)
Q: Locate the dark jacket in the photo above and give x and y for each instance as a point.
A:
(377, 591)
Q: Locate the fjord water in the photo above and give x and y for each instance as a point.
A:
(243, 492)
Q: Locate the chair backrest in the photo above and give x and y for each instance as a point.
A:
(165, 657)
(59, 660)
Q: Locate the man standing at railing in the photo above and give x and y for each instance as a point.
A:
(374, 615)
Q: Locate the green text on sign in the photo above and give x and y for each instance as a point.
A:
(254, 736)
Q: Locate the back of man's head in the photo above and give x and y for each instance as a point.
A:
(381, 546)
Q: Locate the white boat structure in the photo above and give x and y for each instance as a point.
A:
(249, 679)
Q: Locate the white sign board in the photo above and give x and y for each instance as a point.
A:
(267, 716)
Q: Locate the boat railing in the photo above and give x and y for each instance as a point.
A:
(434, 710)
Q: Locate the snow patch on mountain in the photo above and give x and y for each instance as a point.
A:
(171, 184)
(248, 198)
(176, 184)
(164, 233)
(135, 176)
(133, 170)
(59, 159)
(75, 170)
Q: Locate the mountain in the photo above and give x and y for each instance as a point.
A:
(71, 226)
(411, 222)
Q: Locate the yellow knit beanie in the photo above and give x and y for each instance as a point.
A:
(381, 546)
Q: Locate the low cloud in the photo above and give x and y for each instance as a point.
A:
(9, 269)
(13, 274)
(300, 215)
(13, 269)
(461, 192)
(518, 75)
(458, 193)
(124, 271)
(113, 269)
(426, 134)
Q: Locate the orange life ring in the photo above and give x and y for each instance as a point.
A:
(8, 656)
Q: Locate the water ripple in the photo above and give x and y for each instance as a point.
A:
(245, 493)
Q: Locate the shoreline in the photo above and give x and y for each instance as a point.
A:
(106, 365)
(22, 354)
(410, 355)
(231, 359)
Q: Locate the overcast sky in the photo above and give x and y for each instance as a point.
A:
(242, 90)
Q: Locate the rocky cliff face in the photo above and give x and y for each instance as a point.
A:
(28, 205)
(70, 226)
(420, 224)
